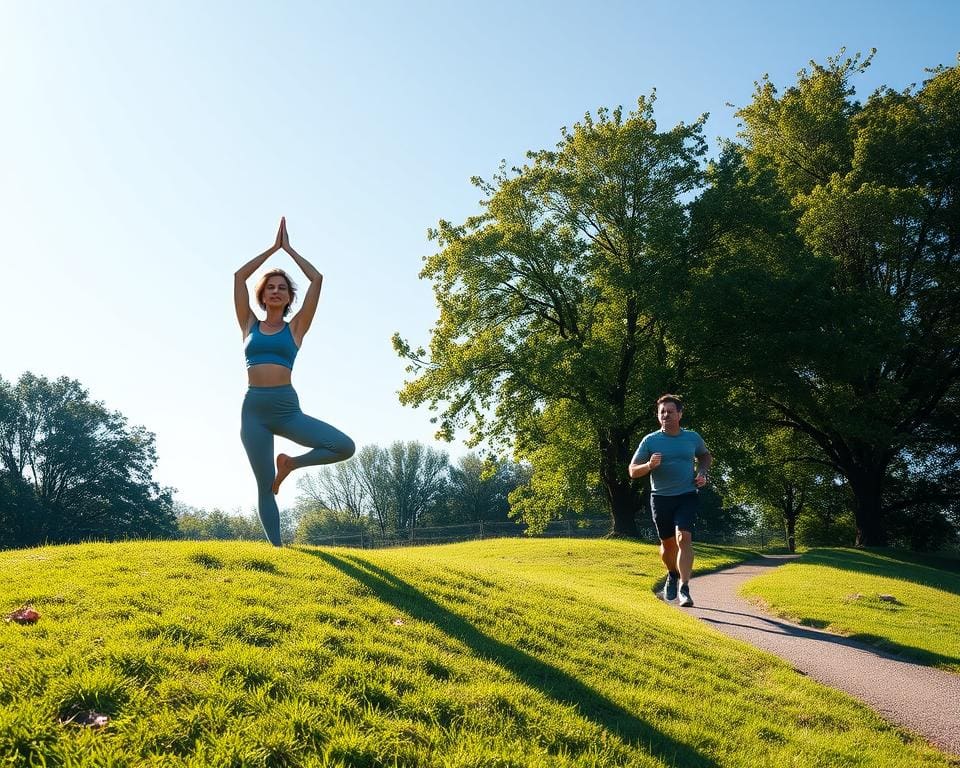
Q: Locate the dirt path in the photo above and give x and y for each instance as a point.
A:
(921, 699)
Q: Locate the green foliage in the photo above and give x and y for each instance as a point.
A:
(717, 521)
(515, 653)
(832, 301)
(883, 597)
(779, 474)
(555, 303)
(827, 520)
(72, 470)
(565, 479)
(204, 525)
(478, 489)
(318, 525)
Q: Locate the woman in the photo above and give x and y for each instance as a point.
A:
(271, 406)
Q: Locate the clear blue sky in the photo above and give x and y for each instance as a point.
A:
(148, 149)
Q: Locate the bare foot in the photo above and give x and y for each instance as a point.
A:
(284, 468)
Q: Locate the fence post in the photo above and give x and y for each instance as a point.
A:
(481, 530)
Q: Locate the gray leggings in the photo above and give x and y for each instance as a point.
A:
(269, 411)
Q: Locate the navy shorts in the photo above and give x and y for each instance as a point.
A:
(672, 512)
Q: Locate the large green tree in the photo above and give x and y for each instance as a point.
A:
(833, 303)
(555, 308)
(73, 470)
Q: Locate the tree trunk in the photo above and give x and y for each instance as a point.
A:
(615, 458)
(623, 509)
(867, 487)
(792, 504)
(792, 533)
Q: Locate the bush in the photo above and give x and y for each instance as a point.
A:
(319, 525)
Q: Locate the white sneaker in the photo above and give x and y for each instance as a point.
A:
(685, 600)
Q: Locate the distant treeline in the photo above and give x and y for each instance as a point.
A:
(74, 471)
(408, 492)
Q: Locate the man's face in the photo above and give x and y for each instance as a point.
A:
(669, 416)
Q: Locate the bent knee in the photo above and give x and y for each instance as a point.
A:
(684, 537)
(348, 448)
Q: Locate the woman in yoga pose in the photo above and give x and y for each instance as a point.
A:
(271, 406)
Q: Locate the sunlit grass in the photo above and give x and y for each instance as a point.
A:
(497, 653)
(892, 600)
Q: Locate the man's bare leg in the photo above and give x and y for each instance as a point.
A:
(684, 560)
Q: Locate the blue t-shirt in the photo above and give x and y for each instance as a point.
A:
(676, 473)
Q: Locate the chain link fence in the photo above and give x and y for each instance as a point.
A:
(586, 528)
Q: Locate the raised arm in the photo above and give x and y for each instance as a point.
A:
(300, 323)
(241, 297)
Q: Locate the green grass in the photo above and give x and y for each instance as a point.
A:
(499, 653)
(841, 589)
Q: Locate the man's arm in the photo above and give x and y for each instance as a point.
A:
(637, 470)
(704, 460)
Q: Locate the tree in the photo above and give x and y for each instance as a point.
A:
(828, 520)
(850, 289)
(18, 510)
(718, 522)
(89, 474)
(478, 490)
(396, 487)
(555, 308)
(921, 499)
(337, 486)
(774, 475)
(416, 476)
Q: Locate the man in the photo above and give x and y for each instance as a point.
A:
(669, 456)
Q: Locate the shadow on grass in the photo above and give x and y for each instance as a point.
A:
(908, 652)
(926, 570)
(738, 555)
(812, 630)
(548, 679)
(858, 562)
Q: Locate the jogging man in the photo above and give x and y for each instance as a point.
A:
(677, 461)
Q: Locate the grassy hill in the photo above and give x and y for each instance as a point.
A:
(486, 654)
(897, 601)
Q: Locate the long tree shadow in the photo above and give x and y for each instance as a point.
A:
(855, 562)
(864, 642)
(761, 561)
(553, 682)
(930, 571)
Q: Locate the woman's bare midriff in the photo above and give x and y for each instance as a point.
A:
(268, 375)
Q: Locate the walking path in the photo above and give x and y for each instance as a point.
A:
(922, 699)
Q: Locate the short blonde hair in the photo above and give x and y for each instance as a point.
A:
(262, 286)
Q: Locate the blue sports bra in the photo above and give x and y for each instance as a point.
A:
(277, 348)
